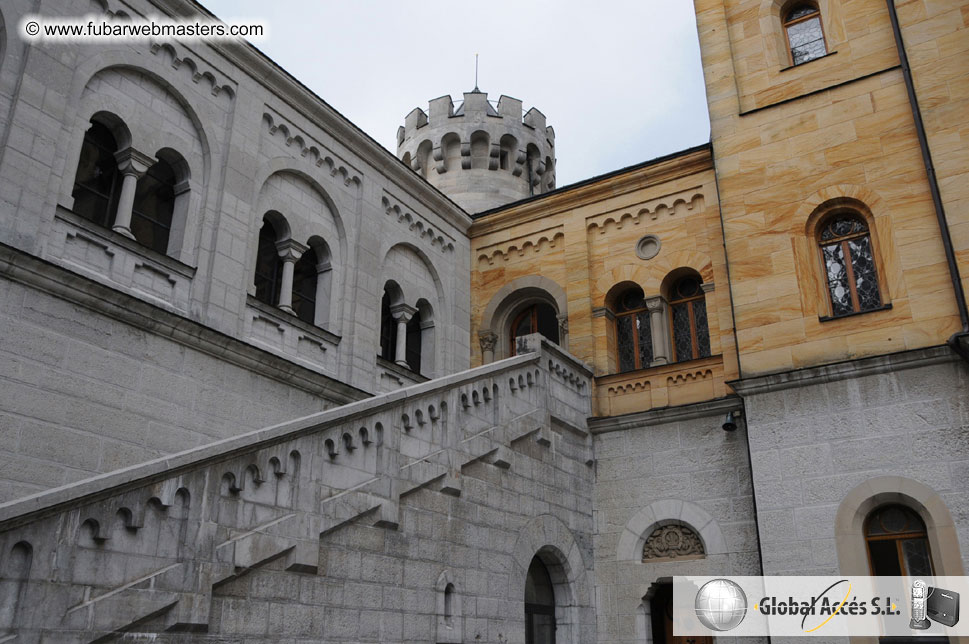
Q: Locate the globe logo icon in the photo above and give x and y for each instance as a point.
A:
(721, 605)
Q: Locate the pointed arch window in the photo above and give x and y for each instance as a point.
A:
(97, 183)
(539, 605)
(634, 344)
(269, 266)
(805, 35)
(848, 259)
(688, 320)
(897, 542)
(151, 216)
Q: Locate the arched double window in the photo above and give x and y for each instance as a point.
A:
(412, 345)
(634, 342)
(805, 35)
(688, 320)
(846, 251)
(97, 184)
(539, 605)
(897, 542)
(535, 318)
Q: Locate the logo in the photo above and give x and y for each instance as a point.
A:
(721, 605)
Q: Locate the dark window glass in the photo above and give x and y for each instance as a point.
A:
(413, 353)
(304, 287)
(805, 34)
(388, 330)
(634, 341)
(537, 318)
(849, 265)
(97, 183)
(151, 216)
(897, 542)
(688, 312)
(269, 266)
(539, 605)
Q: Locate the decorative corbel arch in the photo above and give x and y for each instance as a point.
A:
(665, 512)
(849, 523)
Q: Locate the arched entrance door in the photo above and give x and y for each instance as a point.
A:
(539, 605)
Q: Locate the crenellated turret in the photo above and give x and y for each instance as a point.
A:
(481, 154)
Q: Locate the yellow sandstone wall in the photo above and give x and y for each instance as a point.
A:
(789, 139)
(583, 240)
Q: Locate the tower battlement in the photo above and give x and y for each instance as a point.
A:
(480, 153)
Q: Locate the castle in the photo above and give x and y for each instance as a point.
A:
(264, 381)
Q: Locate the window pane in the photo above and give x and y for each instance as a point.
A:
(645, 339)
(524, 325)
(543, 629)
(800, 12)
(304, 287)
(702, 328)
(884, 558)
(388, 330)
(548, 322)
(268, 264)
(866, 278)
(807, 40)
(151, 217)
(413, 348)
(834, 263)
(916, 554)
(682, 332)
(97, 176)
(624, 343)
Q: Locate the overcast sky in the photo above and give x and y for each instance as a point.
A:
(619, 80)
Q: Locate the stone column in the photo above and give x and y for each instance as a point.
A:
(133, 165)
(402, 313)
(488, 340)
(658, 330)
(289, 251)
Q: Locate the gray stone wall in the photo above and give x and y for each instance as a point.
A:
(821, 433)
(250, 141)
(675, 466)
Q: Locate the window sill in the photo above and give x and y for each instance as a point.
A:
(292, 320)
(671, 366)
(807, 62)
(403, 372)
(831, 318)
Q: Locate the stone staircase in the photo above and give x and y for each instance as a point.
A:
(91, 561)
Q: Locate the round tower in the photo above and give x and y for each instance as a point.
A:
(479, 154)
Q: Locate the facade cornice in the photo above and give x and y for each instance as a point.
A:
(284, 86)
(596, 189)
(859, 368)
(639, 419)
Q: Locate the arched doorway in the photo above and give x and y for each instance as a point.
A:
(661, 614)
(539, 605)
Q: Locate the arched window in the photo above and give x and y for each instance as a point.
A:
(151, 216)
(634, 343)
(688, 314)
(97, 184)
(269, 266)
(388, 329)
(539, 605)
(304, 287)
(848, 259)
(537, 318)
(897, 542)
(805, 36)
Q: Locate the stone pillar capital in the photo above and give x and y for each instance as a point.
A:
(290, 250)
(655, 303)
(487, 340)
(402, 312)
(132, 162)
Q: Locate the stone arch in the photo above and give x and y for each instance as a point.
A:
(422, 158)
(511, 298)
(551, 540)
(509, 152)
(629, 273)
(926, 502)
(666, 512)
